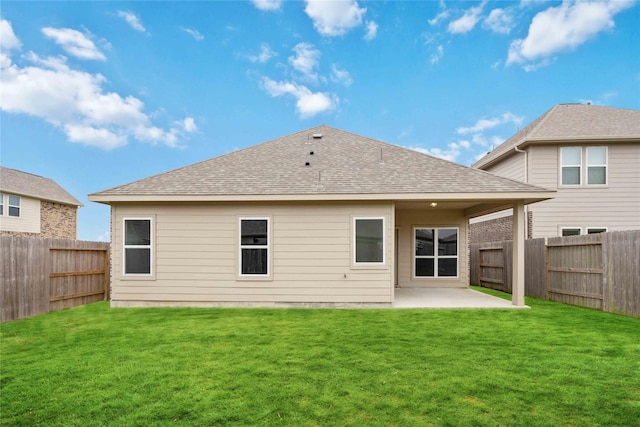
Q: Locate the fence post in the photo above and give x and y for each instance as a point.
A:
(546, 270)
(605, 271)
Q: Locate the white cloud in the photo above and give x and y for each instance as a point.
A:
(334, 18)
(75, 102)
(466, 22)
(132, 20)
(265, 54)
(451, 153)
(372, 31)
(499, 21)
(439, 17)
(340, 76)
(308, 103)
(74, 43)
(8, 40)
(193, 32)
(267, 5)
(437, 56)
(305, 60)
(485, 124)
(563, 28)
(189, 125)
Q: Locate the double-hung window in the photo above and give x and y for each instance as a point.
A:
(1, 204)
(137, 246)
(14, 205)
(436, 252)
(571, 160)
(572, 172)
(369, 242)
(254, 247)
(596, 165)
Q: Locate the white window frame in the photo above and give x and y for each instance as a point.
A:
(267, 247)
(435, 255)
(355, 246)
(587, 229)
(605, 165)
(562, 166)
(2, 204)
(570, 228)
(149, 246)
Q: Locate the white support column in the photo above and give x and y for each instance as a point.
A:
(519, 236)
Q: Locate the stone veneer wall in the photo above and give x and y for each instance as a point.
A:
(496, 230)
(58, 221)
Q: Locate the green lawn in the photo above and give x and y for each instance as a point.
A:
(551, 365)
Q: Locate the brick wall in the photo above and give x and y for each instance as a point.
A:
(58, 221)
(496, 230)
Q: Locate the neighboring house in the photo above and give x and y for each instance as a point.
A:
(589, 154)
(319, 216)
(34, 206)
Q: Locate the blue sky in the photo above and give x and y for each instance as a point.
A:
(98, 94)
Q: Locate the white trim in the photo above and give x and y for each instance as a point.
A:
(605, 165)
(562, 166)
(9, 205)
(2, 204)
(149, 246)
(586, 229)
(267, 247)
(355, 247)
(435, 255)
(562, 228)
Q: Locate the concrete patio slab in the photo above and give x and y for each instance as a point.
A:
(447, 298)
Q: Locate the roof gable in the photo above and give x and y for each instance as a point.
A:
(322, 161)
(572, 122)
(26, 184)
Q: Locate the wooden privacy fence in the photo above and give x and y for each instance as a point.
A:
(40, 275)
(600, 271)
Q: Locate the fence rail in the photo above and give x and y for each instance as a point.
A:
(600, 271)
(40, 275)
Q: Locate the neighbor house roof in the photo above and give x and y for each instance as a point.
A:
(575, 123)
(29, 185)
(321, 163)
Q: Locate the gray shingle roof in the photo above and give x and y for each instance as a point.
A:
(25, 184)
(341, 163)
(574, 122)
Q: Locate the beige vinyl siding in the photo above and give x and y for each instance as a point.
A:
(513, 167)
(196, 254)
(615, 206)
(29, 219)
(406, 220)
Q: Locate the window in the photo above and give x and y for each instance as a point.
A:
(369, 240)
(137, 246)
(577, 231)
(596, 165)
(571, 171)
(571, 160)
(14, 205)
(254, 246)
(596, 230)
(436, 252)
(1, 204)
(571, 231)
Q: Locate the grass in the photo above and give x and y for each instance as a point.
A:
(92, 365)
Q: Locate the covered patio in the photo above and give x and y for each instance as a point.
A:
(448, 298)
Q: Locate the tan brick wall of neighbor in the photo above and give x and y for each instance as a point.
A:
(58, 221)
(497, 230)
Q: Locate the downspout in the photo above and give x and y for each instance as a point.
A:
(526, 180)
